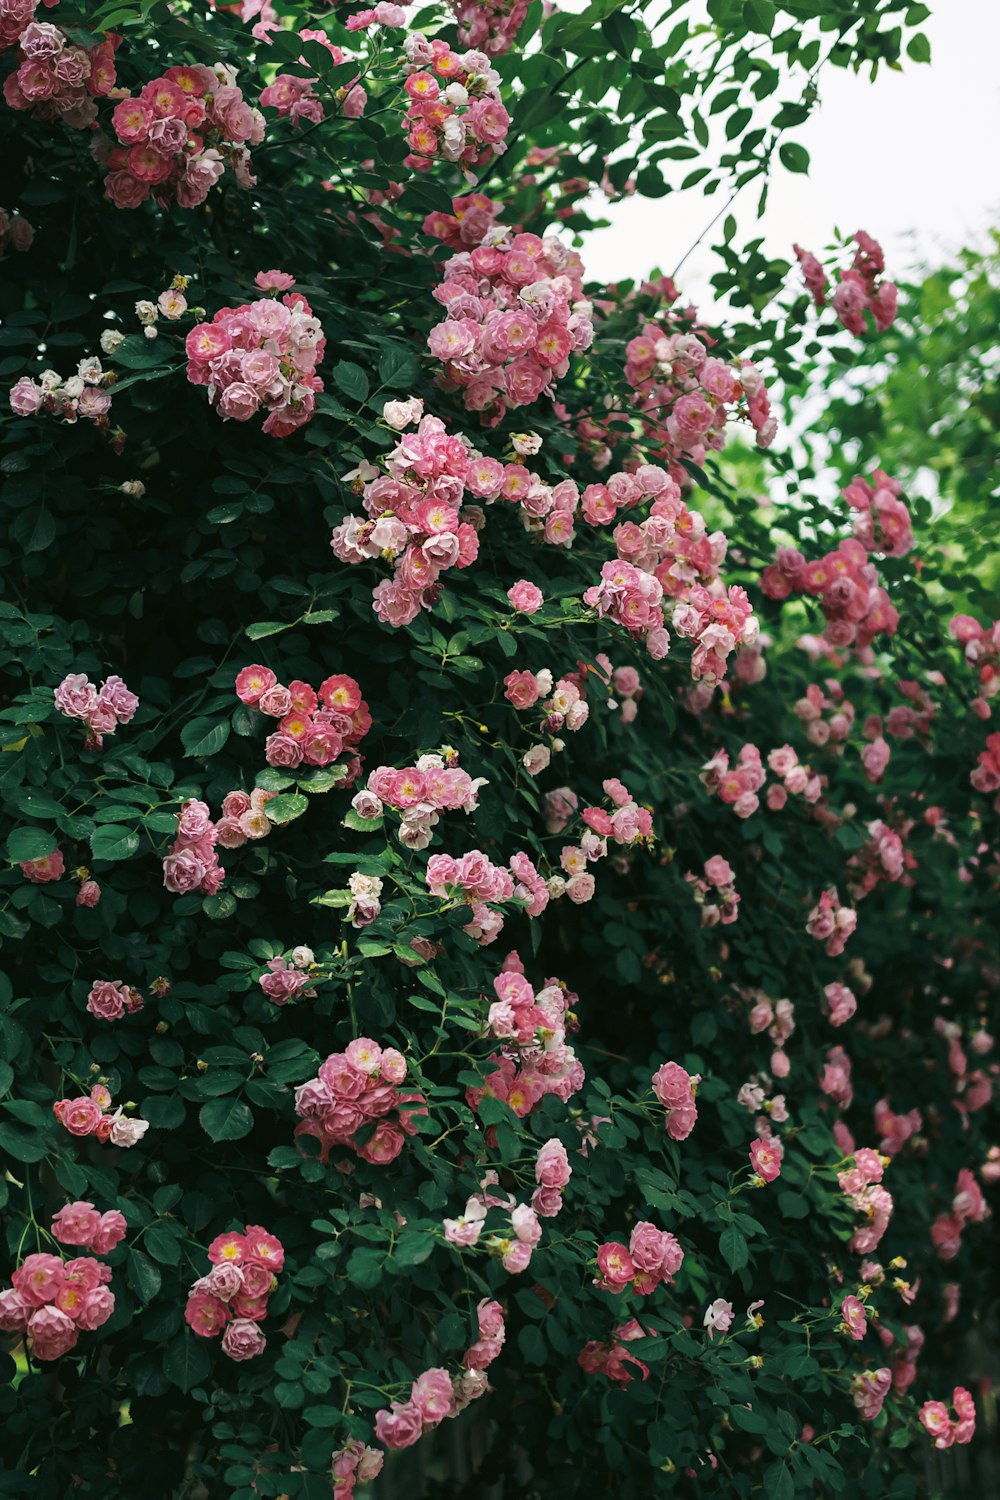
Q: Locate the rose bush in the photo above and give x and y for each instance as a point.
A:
(518, 957)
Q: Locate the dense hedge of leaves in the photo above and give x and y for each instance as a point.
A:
(168, 547)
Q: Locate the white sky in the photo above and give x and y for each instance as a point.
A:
(912, 158)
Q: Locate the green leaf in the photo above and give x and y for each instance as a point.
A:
(351, 379)
(226, 1119)
(204, 737)
(113, 842)
(794, 157)
(187, 1361)
(734, 1249)
(266, 627)
(397, 368)
(919, 48)
(34, 530)
(29, 843)
(146, 1278)
(360, 824)
(759, 15)
(286, 807)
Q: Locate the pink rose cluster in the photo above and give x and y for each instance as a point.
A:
(514, 1247)
(810, 708)
(973, 1090)
(882, 857)
(244, 817)
(515, 312)
(15, 15)
(295, 97)
(830, 923)
(715, 892)
(613, 1359)
(54, 78)
(52, 1301)
(177, 135)
(352, 1465)
(261, 355)
(192, 863)
(476, 880)
(856, 606)
(468, 225)
(16, 232)
(110, 999)
(433, 1396)
(77, 396)
(938, 1422)
(314, 725)
(492, 1333)
(675, 1088)
(883, 522)
(778, 1020)
(436, 784)
(285, 980)
(632, 598)
(840, 1003)
(981, 649)
(861, 289)
(862, 1186)
(563, 706)
(535, 1058)
(490, 25)
(686, 397)
(44, 869)
(89, 1114)
(232, 1299)
(353, 1090)
(413, 518)
(454, 110)
(81, 1224)
(869, 1389)
(986, 776)
(101, 710)
(968, 1207)
(736, 787)
(653, 1258)
(895, 1130)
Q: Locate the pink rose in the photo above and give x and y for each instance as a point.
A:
(107, 1001)
(111, 1231)
(400, 1426)
(432, 1396)
(552, 1168)
(80, 1116)
(525, 597)
(206, 1315)
(39, 1279)
(76, 1224)
(50, 1333)
(243, 1340)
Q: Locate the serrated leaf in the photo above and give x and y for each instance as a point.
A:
(265, 627)
(351, 379)
(204, 737)
(146, 1278)
(113, 842)
(30, 843)
(286, 807)
(734, 1249)
(226, 1119)
(187, 1361)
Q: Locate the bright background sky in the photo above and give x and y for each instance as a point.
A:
(913, 158)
